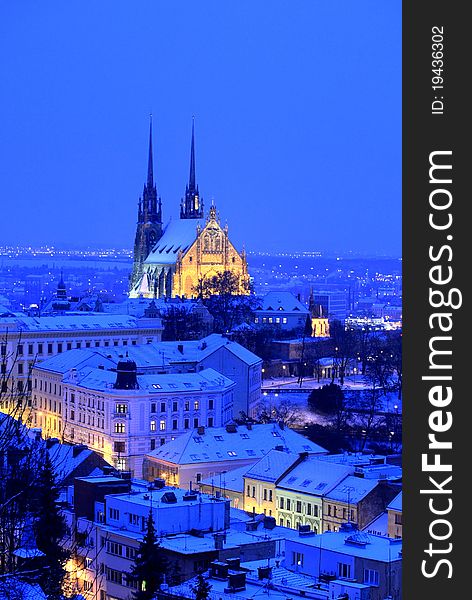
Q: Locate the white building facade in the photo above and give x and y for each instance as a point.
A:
(26, 341)
(90, 406)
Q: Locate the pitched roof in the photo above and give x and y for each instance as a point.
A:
(232, 480)
(272, 466)
(360, 544)
(352, 489)
(396, 503)
(178, 236)
(86, 321)
(158, 383)
(315, 477)
(217, 444)
(148, 356)
(283, 302)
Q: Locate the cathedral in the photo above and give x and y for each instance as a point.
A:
(174, 259)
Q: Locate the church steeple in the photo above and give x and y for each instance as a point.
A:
(191, 207)
(150, 174)
(149, 226)
(191, 180)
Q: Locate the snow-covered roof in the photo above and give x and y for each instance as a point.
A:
(315, 477)
(272, 466)
(79, 358)
(148, 356)
(159, 383)
(283, 302)
(352, 489)
(67, 460)
(178, 236)
(396, 503)
(14, 588)
(359, 544)
(137, 306)
(355, 458)
(232, 480)
(86, 321)
(217, 444)
(379, 526)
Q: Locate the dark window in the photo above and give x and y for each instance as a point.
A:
(20, 348)
(50, 349)
(153, 444)
(59, 348)
(119, 447)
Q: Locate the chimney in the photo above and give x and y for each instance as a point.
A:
(201, 430)
(51, 442)
(180, 348)
(219, 538)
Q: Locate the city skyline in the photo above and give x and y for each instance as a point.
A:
(313, 123)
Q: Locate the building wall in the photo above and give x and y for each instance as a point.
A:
(336, 512)
(260, 496)
(210, 254)
(182, 475)
(362, 513)
(283, 319)
(121, 425)
(315, 561)
(23, 350)
(293, 509)
(247, 378)
(395, 523)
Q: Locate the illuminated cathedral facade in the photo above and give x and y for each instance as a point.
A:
(174, 259)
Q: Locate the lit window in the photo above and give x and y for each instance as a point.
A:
(162, 425)
(152, 425)
(120, 427)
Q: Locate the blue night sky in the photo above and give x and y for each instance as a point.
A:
(297, 107)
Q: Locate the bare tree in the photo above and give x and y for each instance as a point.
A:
(282, 411)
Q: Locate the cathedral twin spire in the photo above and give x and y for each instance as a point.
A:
(150, 207)
(191, 207)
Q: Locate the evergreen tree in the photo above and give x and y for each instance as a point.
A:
(201, 588)
(50, 530)
(150, 565)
